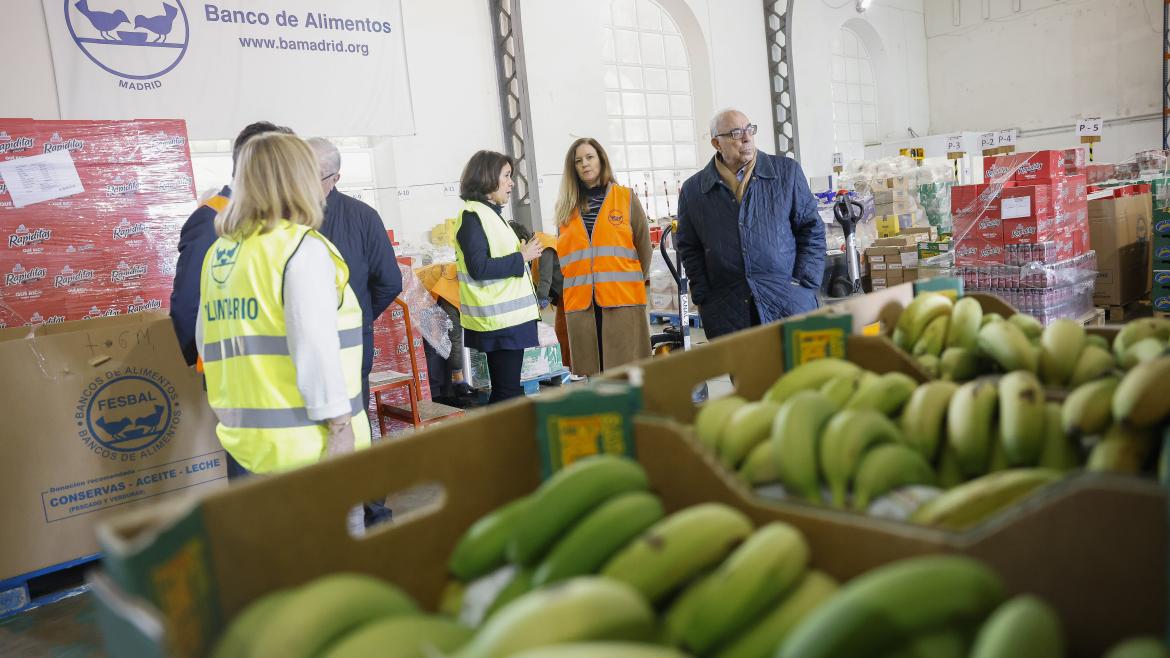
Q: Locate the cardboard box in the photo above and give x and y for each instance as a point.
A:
(1160, 292)
(1028, 230)
(100, 416)
(1122, 261)
(933, 249)
(887, 225)
(908, 240)
(921, 233)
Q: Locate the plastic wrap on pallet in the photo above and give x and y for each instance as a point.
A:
(110, 249)
(1047, 304)
(1033, 275)
(427, 319)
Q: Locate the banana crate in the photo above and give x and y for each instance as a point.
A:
(1096, 549)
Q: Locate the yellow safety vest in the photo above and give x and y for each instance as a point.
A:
(498, 303)
(251, 379)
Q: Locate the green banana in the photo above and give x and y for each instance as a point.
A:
(990, 318)
(756, 575)
(761, 466)
(885, 393)
(483, 548)
(1142, 351)
(574, 610)
(885, 468)
(970, 415)
(795, 438)
(1094, 362)
(924, 416)
(958, 364)
(606, 649)
(1088, 410)
(998, 460)
(949, 473)
(408, 636)
(1031, 327)
(920, 312)
(807, 376)
(1099, 341)
(678, 548)
(1138, 330)
(973, 502)
(1060, 452)
(747, 427)
(845, 439)
(1146, 646)
(840, 389)
(933, 338)
(930, 364)
(567, 496)
(944, 642)
(1007, 345)
(601, 534)
(966, 318)
(712, 418)
(326, 609)
(1024, 626)
(1060, 345)
(761, 638)
(237, 641)
(1140, 401)
(1021, 417)
(1120, 450)
(1164, 459)
(880, 609)
(518, 585)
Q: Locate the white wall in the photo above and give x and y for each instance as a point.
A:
(30, 91)
(1045, 66)
(894, 34)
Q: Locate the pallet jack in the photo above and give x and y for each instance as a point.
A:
(848, 213)
(675, 338)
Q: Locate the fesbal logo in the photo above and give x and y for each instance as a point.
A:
(136, 40)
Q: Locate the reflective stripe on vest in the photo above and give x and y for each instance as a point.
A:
(251, 378)
(494, 304)
(603, 267)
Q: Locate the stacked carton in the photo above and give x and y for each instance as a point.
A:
(1160, 209)
(1024, 234)
(110, 249)
(894, 260)
(1119, 232)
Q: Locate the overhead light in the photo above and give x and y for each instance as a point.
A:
(862, 5)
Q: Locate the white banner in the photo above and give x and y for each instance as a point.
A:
(321, 67)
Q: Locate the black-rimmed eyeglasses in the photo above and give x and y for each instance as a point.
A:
(738, 133)
(328, 177)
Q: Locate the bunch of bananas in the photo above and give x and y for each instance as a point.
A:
(1141, 340)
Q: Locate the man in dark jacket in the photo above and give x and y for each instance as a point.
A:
(750, 237)
(195, 239)
(359, 234)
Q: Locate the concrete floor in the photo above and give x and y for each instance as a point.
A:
(68, 628)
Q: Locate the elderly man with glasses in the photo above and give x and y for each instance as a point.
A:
(749, 234)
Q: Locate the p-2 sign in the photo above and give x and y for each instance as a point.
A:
(1090, 127)
(987, 141)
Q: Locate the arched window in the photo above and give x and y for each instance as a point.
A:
(649, 103)
(855, 120)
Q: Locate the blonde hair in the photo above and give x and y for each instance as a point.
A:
(276, 178)
(570, 198)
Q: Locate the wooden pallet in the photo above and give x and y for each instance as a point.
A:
(1127, 312)
(44, 586)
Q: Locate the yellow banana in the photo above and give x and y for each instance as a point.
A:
(807, 376)
(924, 416)
(1138, 330)
(677, 548)
(970, 415)
(1121, 450)
(990, 318)
(845, 439)
(1060, 345)
(920, 312)
(747, 428)
(966, 318)
(1094, 362)
(1141, 399)
(1088, 410)
(885, 393)
(795, 440)
(712, 418)
(933, 338)
(1007, 345)
(1142, 351)
(1027, 324)
(768, 632)
(973, 502)
(1021, 417)
(1024, 626)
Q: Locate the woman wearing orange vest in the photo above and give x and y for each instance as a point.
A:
(604, 249)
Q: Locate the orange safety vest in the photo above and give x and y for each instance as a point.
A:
(441, 280)
(605, 269)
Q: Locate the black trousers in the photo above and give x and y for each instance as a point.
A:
(504, 368)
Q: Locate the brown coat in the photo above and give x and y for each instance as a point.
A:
(625, 330)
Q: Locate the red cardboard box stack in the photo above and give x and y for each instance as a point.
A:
(109, 250)
(1030, 214)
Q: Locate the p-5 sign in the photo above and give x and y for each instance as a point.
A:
(1090, 127)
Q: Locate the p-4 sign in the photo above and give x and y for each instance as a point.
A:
(1090, 127)
(1006, 137)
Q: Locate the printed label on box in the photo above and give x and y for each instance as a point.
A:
(1016, 207)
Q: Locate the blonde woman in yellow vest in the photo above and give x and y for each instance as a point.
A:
(497, 302)
(604, 249)
(279, 329)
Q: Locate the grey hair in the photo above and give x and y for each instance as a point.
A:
(328, 157)
(719, 115)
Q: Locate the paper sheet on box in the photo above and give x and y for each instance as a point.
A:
(40, 178)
